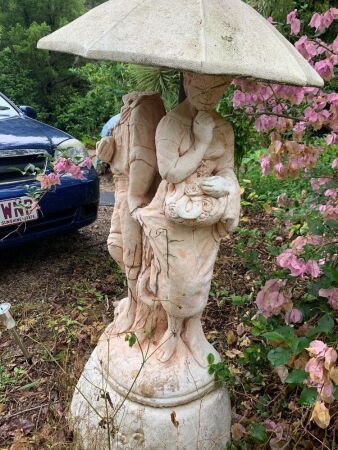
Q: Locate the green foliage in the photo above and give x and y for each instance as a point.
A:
(157, 79)
(297, 376)
(258, 433)
(7, 378)
(308, 396)
(28, 75)
(131, 339)
(279, 356)
(84, 115)
(219, 370)
(247, 140)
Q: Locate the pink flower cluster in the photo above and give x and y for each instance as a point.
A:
(294, 22)
(332, 138)
(271, 300)
(48, 181)
(329, 210)
(317, 183)
(288, 158)
(332, 295)
(300, 242)
(321, 368)
(322, 22)
(271, 105)
(308, 48)
(297, 266)
(65, 165)
(331, 193)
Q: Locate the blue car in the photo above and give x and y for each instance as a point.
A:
(69, 206)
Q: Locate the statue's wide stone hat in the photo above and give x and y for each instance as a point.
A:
(206, 36)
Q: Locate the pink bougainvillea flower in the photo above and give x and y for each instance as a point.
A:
(317, 348)
(335, 164)
(326, 392)
(239, 99)
(322, 21)
(329, 211)
(270, 300)
(288, 260)
(87, 163)
(331, 193)
(330, 358)
(316, 21)
(298, 130)
(306, 48)
(325, 69)
(62, 165)
(266, 123)
(294, 316)
(265, 164)
(294, 22)
(332, 295)
(332, 139)
(279, 169)
(299, 243)
(315, 368)
(75, 171)
(270, 20)
(285, 258)
(316, 183)
(48, 181)
(312, 268)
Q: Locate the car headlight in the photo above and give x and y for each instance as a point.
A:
(72, 149)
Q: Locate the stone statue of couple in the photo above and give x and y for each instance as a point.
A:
(176, 196)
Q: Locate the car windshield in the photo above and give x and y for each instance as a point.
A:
(6, 109)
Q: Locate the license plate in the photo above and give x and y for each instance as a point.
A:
(16, 211)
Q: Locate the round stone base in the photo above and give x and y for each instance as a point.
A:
(105, 420)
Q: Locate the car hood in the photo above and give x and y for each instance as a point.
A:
(25, 133)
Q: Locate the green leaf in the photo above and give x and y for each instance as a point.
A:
(285, 334)
(325, 325)
(257, 432)
(308, 396)
(335, 392)
(279, 356)
(302, 344)
(315, 225)
(132, 340)
(211, 359)
(297, 376)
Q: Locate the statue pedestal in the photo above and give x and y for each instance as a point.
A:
(140, 403)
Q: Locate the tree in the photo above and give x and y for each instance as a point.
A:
(29, 75)
(54, 13)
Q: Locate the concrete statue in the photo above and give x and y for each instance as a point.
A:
(146, 384)
(131, 153)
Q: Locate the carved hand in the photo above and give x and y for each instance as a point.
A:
(217, 187)
(204, 127)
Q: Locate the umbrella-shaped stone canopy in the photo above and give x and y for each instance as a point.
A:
(206, 36)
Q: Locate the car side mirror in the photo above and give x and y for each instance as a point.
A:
(29, 111)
